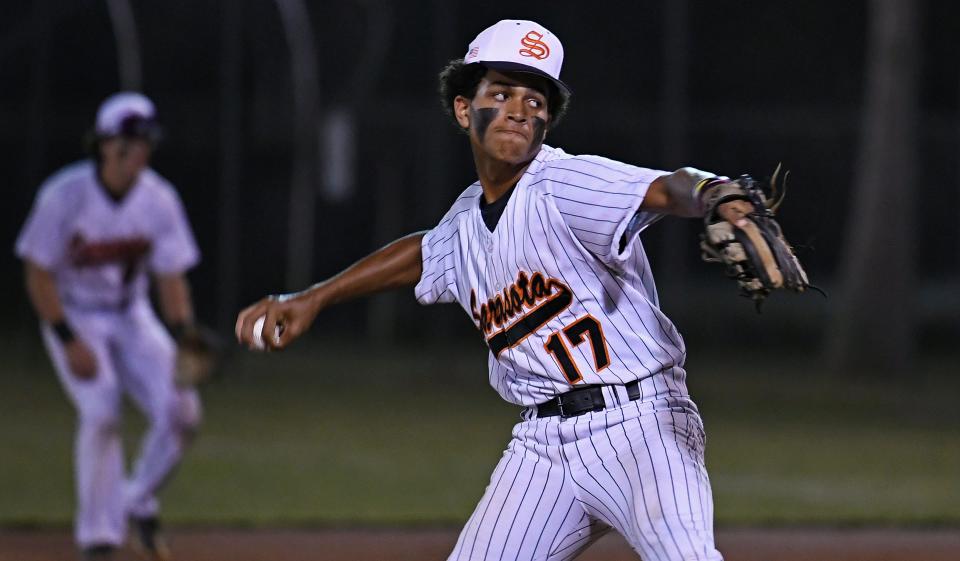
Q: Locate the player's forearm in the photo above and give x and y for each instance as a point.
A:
(173, 294)
(397, 265)
(676, 193)
(42, 288)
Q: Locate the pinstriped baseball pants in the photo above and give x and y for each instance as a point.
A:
(636, 467)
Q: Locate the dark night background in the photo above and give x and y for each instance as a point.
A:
(759, 83)
(302, 135)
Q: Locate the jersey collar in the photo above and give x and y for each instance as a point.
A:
(116, 200)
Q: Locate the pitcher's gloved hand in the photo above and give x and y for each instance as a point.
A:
(740, 232)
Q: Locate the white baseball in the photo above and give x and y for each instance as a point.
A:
(257, 330)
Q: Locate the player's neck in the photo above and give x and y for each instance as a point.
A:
(497, 177)
(116, 184)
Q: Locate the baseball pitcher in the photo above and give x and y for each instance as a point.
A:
(544, 255)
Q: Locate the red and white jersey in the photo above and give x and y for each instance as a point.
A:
(557, 299)
(99, 248)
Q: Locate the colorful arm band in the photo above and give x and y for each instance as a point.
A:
(706, 184)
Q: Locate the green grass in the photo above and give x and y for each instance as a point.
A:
(797, 446)
(331, 435)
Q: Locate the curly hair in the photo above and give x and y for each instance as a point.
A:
(458, 78)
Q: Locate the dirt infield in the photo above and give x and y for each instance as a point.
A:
(423, 545)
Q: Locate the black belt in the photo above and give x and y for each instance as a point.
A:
(582, 400)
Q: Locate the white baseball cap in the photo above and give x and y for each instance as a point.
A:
(127, 113)
(519, 46)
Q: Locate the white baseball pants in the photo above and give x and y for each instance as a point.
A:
(135, 357)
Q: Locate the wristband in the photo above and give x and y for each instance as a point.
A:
(178, 329)
(706, 184)
(62, 331)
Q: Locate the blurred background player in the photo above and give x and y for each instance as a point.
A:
(98, 229)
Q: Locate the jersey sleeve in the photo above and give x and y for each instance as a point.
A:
(599, 200)
(174, 247)
(43, 238)
(439, 251)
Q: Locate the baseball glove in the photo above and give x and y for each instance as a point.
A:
(198, 355)
(755, 253)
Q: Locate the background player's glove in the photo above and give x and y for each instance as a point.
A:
(198, 355)
(753, 250)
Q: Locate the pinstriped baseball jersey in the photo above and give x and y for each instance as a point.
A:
(561, 298)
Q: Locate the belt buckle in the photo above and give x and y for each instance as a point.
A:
(563, 415)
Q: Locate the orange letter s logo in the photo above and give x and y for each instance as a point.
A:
(534, 46)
